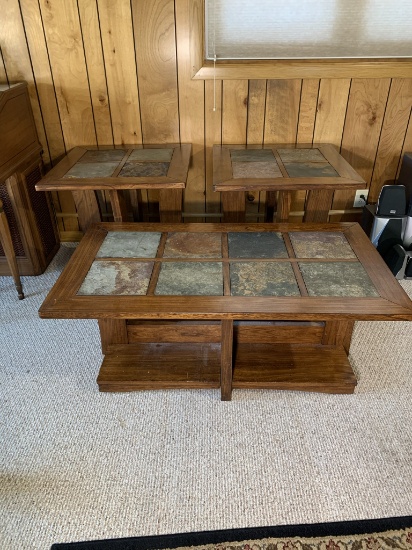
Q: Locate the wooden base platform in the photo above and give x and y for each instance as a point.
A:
(193, 366)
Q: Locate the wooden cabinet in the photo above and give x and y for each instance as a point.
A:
(29, 213)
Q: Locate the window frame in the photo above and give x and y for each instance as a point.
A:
(203, 69)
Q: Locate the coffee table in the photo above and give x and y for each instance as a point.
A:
(84, 170)
(226, 305)
(283, 168)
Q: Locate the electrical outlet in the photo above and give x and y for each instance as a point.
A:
(361, 198)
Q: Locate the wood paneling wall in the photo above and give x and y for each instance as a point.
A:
(104, 72)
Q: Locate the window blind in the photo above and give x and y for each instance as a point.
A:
(308, 29)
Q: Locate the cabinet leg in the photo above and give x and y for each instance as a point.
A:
(226, 373)
(7, 243)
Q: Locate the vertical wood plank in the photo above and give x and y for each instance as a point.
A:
(363, 124)
(226, 352)
(282, 111)
(331, 111)
(93, 51)
(17, 62)
(3, 76)
(118, 49)
(394, 128)
(65, 48)
(213, 136)
(307, 110)
(154, 30)
(44, 82)
(191, 107)
(234, 111)
(365, 110)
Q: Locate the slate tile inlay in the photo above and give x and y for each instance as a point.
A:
(301, 155)
(109, 155)
(314, 244)
(262, 279)
(256, 170)
(144, 169)
(190, 279)
(130, 244)
(117, 278)
(310, 170)
(252, 155)
(337, 279)
(91, 170)
(257, 245)
(193, 245)
(144, 155)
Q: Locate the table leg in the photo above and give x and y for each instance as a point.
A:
(170, 205)
(338, 333)
(7, 244)
(233, 206)
(119, 205)
(318, 204)
(283, 207)
(226, 352)
(87, 208)
(112, 331)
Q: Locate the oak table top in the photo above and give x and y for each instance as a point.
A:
(226, 305)
(318, 168)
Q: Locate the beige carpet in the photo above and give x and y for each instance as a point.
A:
(78, 465)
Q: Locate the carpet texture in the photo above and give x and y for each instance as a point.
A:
(79, 465)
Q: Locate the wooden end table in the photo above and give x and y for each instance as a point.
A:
(226, 305)
(85, 170)
(281, 168)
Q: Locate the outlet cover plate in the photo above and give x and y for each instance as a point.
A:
(359, 202)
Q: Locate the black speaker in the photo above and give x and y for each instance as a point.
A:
(405, 176)
(392, 201)
(384, 231)
(396, 258)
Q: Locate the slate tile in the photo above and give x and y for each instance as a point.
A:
(193, 245)
(117, 278)
(262, 279)
(310, 170)
(301, 155)
(315, 244)
(337, 279)
(257, 245)
(144, 169)
(190, 279)
(105, 155)
(130, 244)
(252, 155)
(145, 155)
(256, 170)
(91, 170)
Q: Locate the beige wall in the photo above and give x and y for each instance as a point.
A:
(105, 72)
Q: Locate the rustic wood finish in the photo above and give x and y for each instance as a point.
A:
(169, 187)
(320, 189)
(283, 342)
(133, 64)
(29, 216)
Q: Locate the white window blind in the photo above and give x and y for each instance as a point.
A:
(308, 29)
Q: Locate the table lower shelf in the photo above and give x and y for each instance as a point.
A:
(317, 368)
